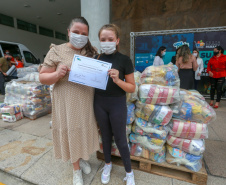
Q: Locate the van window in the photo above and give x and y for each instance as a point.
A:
(13, 49)
(30, 58)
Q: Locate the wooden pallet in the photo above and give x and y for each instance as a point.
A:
(163, 169)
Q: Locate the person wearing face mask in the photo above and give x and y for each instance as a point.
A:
(216, 68)
(110, 104)
(198, 72)
(74, 128)
(4, 67)
(158, 61)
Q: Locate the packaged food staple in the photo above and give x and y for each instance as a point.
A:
(188, 129)
(157, 114)
(12, 118)
(128, 129)
(152, 144)
(194, 146)
(179, 157)
(139, 151)
(152, 130)
(165, 75)
(11, 109)
(130, 113)
(192, 108)
(159, 95)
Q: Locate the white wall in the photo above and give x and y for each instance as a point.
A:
(37, 44)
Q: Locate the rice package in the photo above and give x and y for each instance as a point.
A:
(188, 129)
(165, 75)
(179, 157)
(139, 151)
(152, 144)
(152, 130)
(192, 108)
(12, 118)
(194, 146)
(157, 114)
(160, 95)
(130, 113)
(11, 109)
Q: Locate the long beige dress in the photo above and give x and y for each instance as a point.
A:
(74, 126)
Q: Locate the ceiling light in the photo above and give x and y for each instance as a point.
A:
(27, 6)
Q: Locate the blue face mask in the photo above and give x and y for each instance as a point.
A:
(163, 54)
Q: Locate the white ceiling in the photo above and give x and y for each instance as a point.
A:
(47, 10)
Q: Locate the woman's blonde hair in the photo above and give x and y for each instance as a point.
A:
(113, 28)
(184, 52)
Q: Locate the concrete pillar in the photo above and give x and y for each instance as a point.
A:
(97, 13)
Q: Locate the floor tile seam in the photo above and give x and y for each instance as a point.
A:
(96, 172)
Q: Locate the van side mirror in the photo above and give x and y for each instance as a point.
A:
(38, 61)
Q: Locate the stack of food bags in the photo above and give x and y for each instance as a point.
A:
(33, 96)
(22, 72)
(129, 122)
(158, 88)
(11, 113)
(188, 129)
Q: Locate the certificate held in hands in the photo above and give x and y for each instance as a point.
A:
(89, 72)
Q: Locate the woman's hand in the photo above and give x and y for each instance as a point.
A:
(210, 74)
(199, 74)
(114, 74)
(62, 71)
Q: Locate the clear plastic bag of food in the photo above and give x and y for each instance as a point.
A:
(165, 75)
(157, 114)
(150, 129)
(130, 113)
(188, 129)
(179, 157)
(152, 144)
(139, 151)
(159, 95)
(192, 108)
(194, 146)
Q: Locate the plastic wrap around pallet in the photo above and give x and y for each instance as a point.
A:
(192, 108)
(131, 97)
(22, 72)
(139, 151)
(152, 144)
(130, 113)
(31, 77)
(165, 75)
(34, 97)
(188, 130)
(157, 114)
(143, 127)
(195, 146)
(179, 157)
(159, 95)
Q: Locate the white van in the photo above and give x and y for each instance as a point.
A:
(17, 49)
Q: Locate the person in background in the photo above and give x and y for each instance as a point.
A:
(158, 61)
(4, 67)
(216, 68)
(18, 62)
(110, 104)
(74, 128)
(187, 64)
(173, 59)
(198, 72)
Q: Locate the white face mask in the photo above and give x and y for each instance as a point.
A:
(163, 53)
(108, 47)
(195, 54)
(78, 41)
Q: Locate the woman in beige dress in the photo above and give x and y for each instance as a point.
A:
(74, 128)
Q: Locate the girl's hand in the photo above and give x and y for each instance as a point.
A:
(210, 74)
(62, 71)
(114, 74)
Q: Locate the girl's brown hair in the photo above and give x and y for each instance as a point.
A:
(90, 50)
(113, 28)
(185, 53)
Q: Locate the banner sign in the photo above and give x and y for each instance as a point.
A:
(147, 46)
